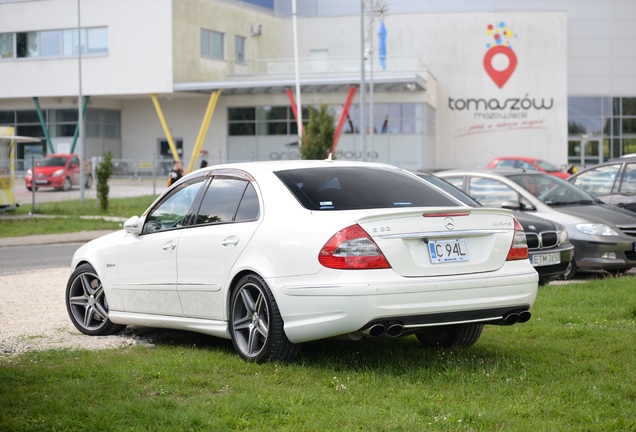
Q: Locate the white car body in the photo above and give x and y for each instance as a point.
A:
(183, 278)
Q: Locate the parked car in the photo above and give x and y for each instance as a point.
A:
(551, 252)
(613, 182)
(59, 171)
(528, 164)
(603, 235)
(273, 254)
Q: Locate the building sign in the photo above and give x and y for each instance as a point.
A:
(511, 98)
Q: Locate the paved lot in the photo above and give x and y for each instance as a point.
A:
(119, 188)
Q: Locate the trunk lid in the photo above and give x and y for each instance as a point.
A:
(443, 241)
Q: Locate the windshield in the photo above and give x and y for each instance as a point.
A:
(552, 190)
(351, 188)
(52, 161)
(546, 166)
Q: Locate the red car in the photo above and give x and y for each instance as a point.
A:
(59, 171)
(528, 164)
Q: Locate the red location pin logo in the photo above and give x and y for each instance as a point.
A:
(500, 77)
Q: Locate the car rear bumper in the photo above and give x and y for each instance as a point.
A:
(314, 312)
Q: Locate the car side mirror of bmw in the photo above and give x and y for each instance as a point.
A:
(133, 225)
(510, 205)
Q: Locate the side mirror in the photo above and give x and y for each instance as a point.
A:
(133, 225)
(510, 205)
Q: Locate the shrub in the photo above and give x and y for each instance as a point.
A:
(103, 172)
(318, 136)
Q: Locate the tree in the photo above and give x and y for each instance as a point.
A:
(103, 172)
(318, 136)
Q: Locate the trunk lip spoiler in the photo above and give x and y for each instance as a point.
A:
(443, 234)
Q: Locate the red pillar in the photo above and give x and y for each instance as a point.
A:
(343, 117)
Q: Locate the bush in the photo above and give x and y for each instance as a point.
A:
(103, 172)
(318, 136)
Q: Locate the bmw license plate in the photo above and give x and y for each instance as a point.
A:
(442, 251)
(538, 260)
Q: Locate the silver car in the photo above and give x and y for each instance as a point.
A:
(603, 235)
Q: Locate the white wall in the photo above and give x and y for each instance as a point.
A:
(139, 41)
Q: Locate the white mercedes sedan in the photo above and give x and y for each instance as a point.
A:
(273, 254)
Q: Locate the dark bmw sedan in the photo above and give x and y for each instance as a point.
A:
(551, 253)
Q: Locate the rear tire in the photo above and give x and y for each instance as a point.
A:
(86, 303)
(457, 335)
(256, 326)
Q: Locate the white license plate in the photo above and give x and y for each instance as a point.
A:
(442, 251)
(546, 259)
(41, 182)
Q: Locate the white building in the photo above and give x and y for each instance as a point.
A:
(464, 80)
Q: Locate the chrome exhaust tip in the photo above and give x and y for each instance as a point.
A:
(395, 330)
(524, 316)
(375, 330)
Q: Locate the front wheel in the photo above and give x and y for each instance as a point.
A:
(458, 335)
(256, 326)
(67, 184)
(86, 303)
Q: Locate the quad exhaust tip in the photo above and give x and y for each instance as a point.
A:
(386, 329)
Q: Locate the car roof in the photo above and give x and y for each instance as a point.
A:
(504, 172)
(523, 158)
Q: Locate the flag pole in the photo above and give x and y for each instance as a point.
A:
(299, 106)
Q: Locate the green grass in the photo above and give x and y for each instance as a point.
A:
(69, 220)
(571, 368)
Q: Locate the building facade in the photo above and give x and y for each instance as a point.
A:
(461, 82)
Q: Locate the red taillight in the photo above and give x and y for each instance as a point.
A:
(519, 246)
(352, 249)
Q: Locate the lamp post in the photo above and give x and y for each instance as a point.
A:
(299, 106)
(80, 119)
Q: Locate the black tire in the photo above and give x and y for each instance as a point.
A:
(571, 271)
(89, 181)
(256, 326)
(86, 303)
(458, 335)
(67, 184)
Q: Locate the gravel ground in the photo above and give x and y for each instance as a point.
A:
(33, 316)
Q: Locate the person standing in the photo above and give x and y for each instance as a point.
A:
(175, 174)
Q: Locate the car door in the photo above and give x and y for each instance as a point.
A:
(599, 181)
(147, 262)
(224, 224)
(74, 170)
(626, 194)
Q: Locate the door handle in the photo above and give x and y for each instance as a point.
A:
(169, 246)
(230, 241)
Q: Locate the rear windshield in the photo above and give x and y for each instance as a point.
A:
(352, 188)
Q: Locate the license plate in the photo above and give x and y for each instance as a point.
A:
(442, 251)
(41, 182)
(546, 259)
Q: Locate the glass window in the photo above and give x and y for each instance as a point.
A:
(629, 145)
(111, 131)
(628, 184)
(584, 106)
(7, 117)
(30, 130)
(319, 60)
(242, 114)
(629, 126)
(272, 128)
(6, 45)
(62, 130)
(458, 182)
(97, 40)
(51, 43)
(598, 181)
(221, 201)
(249, 208)
(239, 49)
(629, 106)
(173, 211)
(246, 128)
(112, 116)
(360, 188)
(27, 44)
(489, 192)
(93, 115)
(584, 125)
(212, 44)
(29, 116)
(93, 130)
(58, 116)
(271, 113)
(70, 42)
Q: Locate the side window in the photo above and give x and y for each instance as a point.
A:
(227, 200)
(458, 182)
(74, 160)
(598, 181)
(506, 163)
(490, 193)
(526, 166)
(628, 185)
(173, 211)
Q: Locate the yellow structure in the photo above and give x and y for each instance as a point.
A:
(7, 167)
